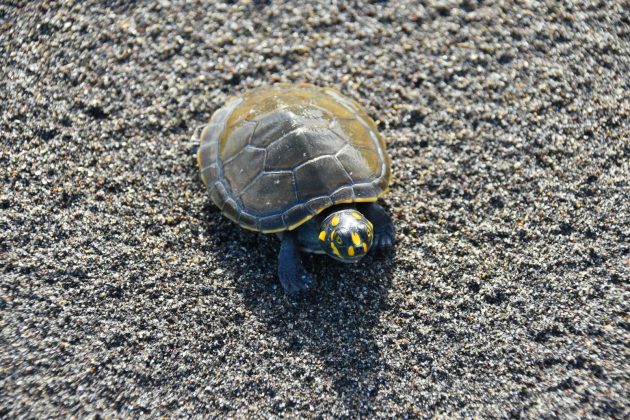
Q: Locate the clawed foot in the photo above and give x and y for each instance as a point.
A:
(384, 239)
(294, 279)
(297, 285)
(384, 231)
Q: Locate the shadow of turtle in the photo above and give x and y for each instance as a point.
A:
(337, 323)
(344, 336)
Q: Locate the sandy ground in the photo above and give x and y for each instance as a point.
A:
(124, 292)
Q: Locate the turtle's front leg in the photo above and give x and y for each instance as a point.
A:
(294, 279)
(384, 231)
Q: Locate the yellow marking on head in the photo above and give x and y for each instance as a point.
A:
(351, 251)
(322, 235)
(335, 221)
(335, 250)
(356, 239)
(364, 247)
(357, 215)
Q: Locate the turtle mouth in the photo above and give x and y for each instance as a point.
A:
(350, 260)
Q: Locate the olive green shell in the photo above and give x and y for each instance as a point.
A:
(274, 157)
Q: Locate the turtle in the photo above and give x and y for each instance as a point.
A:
(304, 162)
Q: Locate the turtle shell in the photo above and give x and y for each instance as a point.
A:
(274, 157)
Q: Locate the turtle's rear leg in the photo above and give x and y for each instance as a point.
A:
(194, 140)
(294, 279)
(384, 231)
(198, 133)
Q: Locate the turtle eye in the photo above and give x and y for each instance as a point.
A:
(338, 239)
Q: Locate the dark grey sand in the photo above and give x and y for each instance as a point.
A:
(123, 291)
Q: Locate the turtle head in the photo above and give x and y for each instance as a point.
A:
(346, 235)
